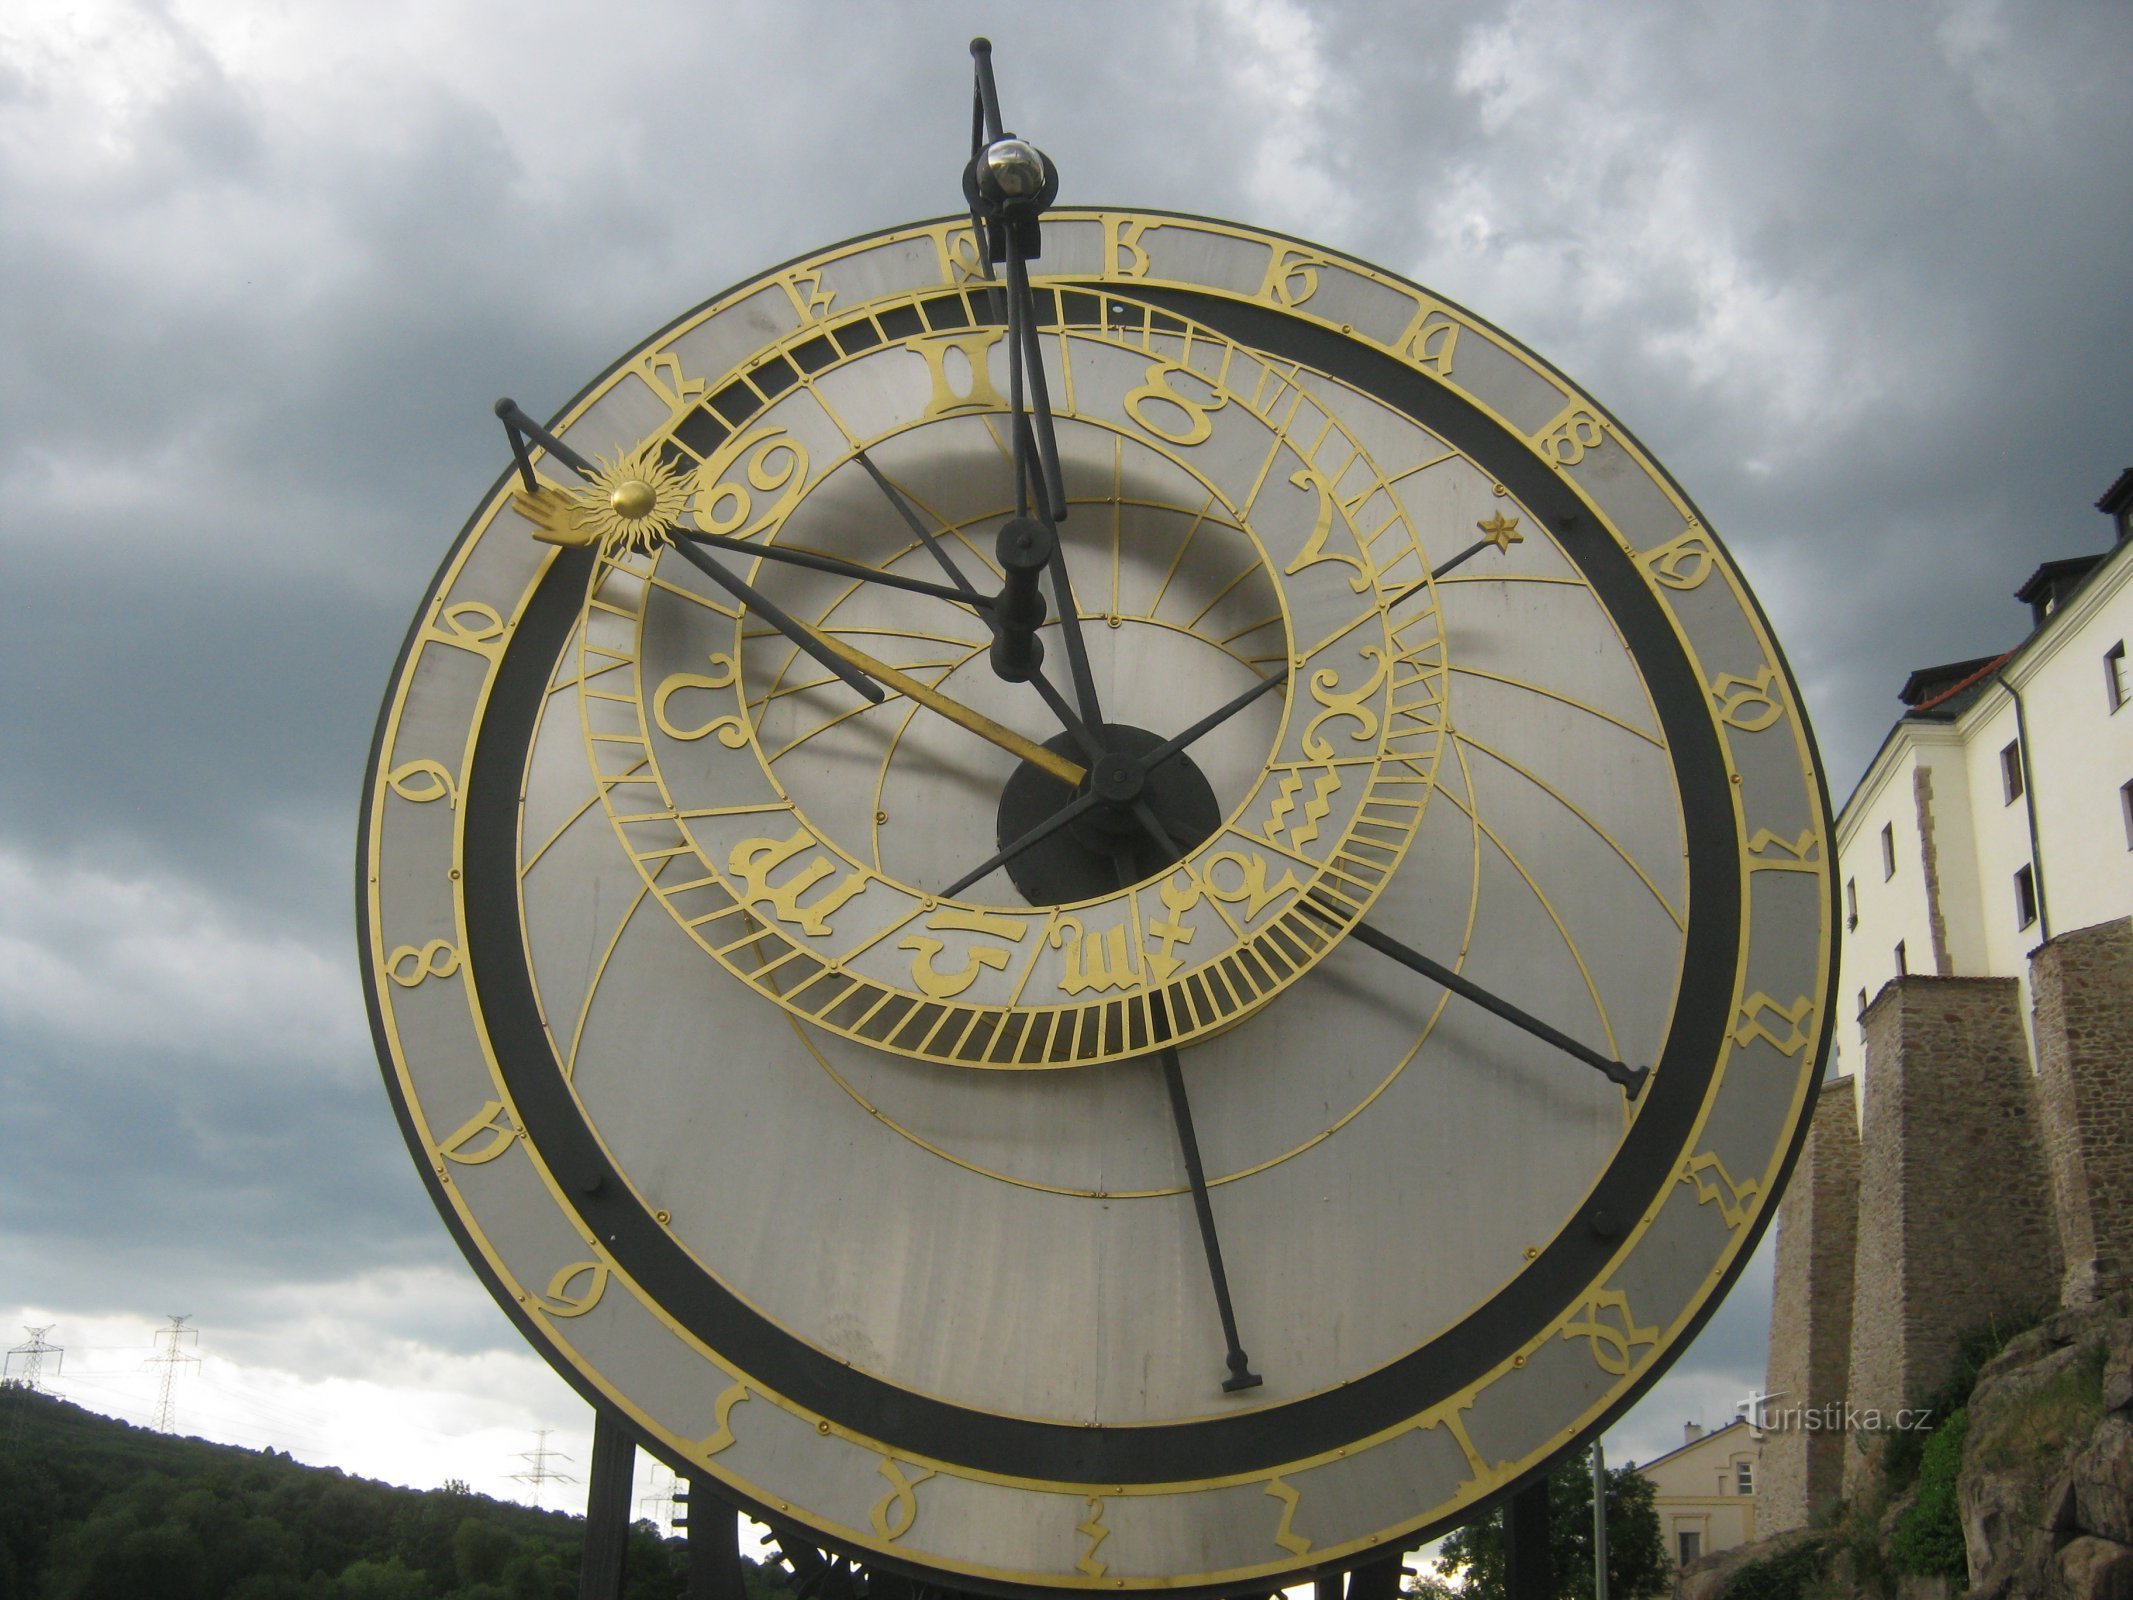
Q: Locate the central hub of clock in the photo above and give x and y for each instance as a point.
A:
(1080, 862)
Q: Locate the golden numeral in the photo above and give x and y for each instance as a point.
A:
(1286, 1535)
(965, 261)
(731, 731)
(1102, 960)
(409, 964)
(1325, 689)
(1302, 831)
(775, 461)
(1291, 277)
(489, 1119)
(1566, 439)
(422, 782)
(1314, 550)
(1613, 1347)
(1683, 562)
(1251, 889)
(563, 1300)
(754, 860)
(1748, 704)
(1429, 345)
(1735, 1201)
(469, 625)
(1752, 1026)
(976, 391)
(809, 299)
(1122, 238)
(1159, 389)
(722, 1435)
(1091, 1527)
(895, 1511)
(1803, 851)
(935, 984)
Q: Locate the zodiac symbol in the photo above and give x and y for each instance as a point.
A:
(1324, 689)
(1159, 387)
(1100, 960)
(754, 860)
(731, 731)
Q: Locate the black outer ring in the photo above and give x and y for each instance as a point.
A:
(1529, 478)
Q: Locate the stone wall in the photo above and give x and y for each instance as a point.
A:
(2082, 987)
(1955, 1215)
(1811, 1314)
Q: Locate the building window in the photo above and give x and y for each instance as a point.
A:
(2025, 896)
(2114, 674)
(1690, 1543)
(2125, 807)
(1851, 885)
(1888, 850)
(1862, 1005)
(1902, 966)
(2011, 772)
(1744, 1477)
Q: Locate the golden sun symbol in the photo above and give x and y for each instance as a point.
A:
(631, 504)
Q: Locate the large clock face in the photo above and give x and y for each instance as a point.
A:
(844, 1169)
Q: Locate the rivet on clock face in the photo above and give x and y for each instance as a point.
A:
(662, 1217)
(880, 817)
(1518, 1361)
(1114, 622)
(1736, 777)
(1533, 1252)
(823, 1426)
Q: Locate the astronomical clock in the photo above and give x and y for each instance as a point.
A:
(1096, 900)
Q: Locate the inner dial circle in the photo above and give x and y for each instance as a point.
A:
(1214, 545)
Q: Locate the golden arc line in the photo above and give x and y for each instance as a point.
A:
(956, 712)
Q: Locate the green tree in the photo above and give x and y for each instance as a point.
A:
(1637, 1567)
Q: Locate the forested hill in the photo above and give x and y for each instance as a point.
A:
(95, 1509)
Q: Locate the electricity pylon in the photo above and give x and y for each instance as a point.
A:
(170, 1360)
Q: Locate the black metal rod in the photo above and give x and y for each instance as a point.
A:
(1040, 394)
(607, 1510)
(1630, 1078)
(503, 409)
(843, 568)
(514, 418)
(1035, 836)
(1213, 720)
(1241, 1375)
(918, 527)
(753, 598)
(988, 91)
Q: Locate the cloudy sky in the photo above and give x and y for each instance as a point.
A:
(1857, 273)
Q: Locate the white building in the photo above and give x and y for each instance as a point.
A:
(1999, 809)
(1704, 1490)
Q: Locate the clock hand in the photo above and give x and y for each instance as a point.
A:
(1043, 685)
(955, 711)
(519, 427)
(1631, 1079)
(1009, 183)
(1500, 531)
(1241, 1375)
(836, 564)
(1080, 805)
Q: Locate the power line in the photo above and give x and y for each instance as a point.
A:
(537, 1473)
(170, 1361)
(33, 1353)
